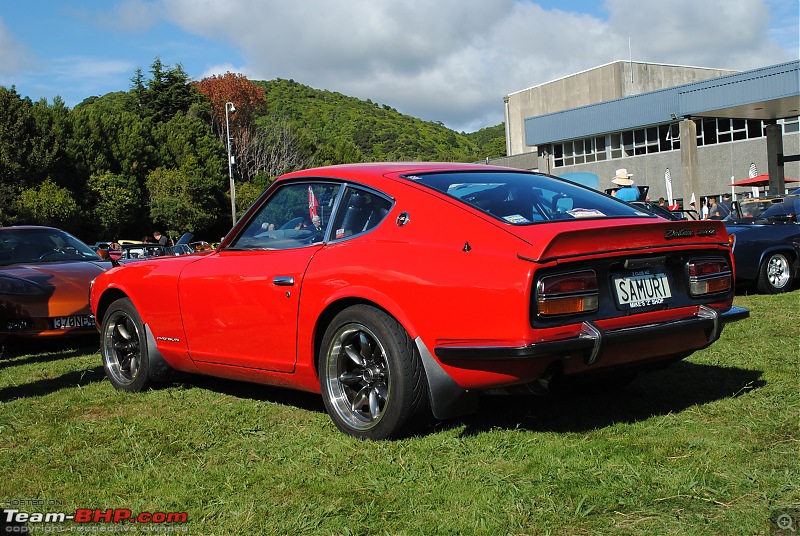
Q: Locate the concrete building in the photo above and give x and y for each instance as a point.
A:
(692, 128)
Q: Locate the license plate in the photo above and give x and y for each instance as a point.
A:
(642, 289)
(67, 322)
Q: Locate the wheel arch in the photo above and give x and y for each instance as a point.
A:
(446, 398)
(785, 249)
(108, 297)
(327, 315)
(160, 367)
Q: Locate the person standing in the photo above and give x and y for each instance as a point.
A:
(725, 206)
(714, 211)
(628, 190)
(703, 209)
(160, 238)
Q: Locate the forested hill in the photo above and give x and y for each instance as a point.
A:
(347, 129)
(154, 157)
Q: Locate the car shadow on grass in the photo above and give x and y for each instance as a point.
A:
(585, 408)
(17, 353)
(570, 409)
(76, 378)
(255, 391)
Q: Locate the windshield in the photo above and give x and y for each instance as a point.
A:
(789, 207)
(33, 246)
(524, 198)
(753, 209)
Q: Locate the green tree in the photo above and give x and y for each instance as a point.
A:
(17, 136)
(49, 204)
(182, 199)
(248, 192)
(116, 204)
(165, 94)
(185, 139)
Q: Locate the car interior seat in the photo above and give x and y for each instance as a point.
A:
(356, 215)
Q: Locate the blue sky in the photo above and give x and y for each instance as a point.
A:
(445, 60)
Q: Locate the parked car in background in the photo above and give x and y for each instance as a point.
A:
(753, 207)
(766, 246)
(201, 245)
(45, 275)
(141, 250)
(665, 212)
(107, 250)
(422, 285)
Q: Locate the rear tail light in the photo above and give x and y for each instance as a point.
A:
(567, 294)
(709, 276)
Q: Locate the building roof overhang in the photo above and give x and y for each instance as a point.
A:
(767, 93)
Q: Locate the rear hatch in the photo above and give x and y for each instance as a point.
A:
(652, 265)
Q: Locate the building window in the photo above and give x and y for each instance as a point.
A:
(616, 145)
(739, 128)
(600, 147)
(710, 131)
(791, 125)
(660, 138)
(627, 143)
(755, 128)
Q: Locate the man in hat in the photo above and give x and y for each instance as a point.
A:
(628, 191)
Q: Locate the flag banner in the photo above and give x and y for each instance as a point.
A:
(313, 204)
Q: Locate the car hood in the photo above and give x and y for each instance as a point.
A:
(51, 274)
(570, 239)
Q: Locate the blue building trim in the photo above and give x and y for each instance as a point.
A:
(665, 105)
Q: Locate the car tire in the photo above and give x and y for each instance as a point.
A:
(371, 375)
(123, 345)
(775, 275)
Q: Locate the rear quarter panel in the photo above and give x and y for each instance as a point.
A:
(447, 275)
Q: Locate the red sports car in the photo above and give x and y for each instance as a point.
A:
(44, 283)
(400, 291)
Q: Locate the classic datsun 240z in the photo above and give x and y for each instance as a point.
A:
(399, 291)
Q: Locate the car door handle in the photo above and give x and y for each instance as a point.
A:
(283, 281)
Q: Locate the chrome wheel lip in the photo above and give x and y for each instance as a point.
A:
(358, 377)
(778, 271)
(122, 348)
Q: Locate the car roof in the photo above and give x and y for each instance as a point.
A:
(395, 169)
(25, 227)
(400, 167)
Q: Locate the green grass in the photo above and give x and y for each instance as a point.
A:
(708, 446)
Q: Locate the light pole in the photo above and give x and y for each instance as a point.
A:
(230, 107)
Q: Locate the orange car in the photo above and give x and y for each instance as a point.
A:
(45, 274)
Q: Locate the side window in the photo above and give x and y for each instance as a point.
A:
(294, 216)
(359, 212)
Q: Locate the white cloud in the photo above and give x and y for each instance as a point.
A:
(14, 56)
(91, 69)
(454, 60)
(127, 15)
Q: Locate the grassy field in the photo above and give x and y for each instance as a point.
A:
(708, 446)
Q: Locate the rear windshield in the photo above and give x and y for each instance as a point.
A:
(790, 206)
(524, 198)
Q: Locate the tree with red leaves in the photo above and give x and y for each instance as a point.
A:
(247, 97)
(267, 147)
